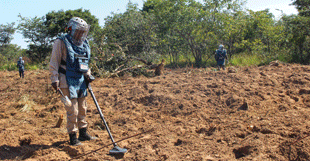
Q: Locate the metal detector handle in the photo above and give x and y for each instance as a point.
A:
(89, 79)
(59, 90)
(100, 112)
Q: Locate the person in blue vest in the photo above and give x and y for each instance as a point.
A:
(70, 72)
(220, 57)
(21, 67)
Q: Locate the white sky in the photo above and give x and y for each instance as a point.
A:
(272, 5)
(10, 9)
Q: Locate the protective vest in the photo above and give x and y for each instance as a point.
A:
(20, 65)
(76, 65)
(220, 56)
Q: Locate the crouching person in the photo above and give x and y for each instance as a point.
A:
(70, 73)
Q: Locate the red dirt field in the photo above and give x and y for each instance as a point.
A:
(250, 113)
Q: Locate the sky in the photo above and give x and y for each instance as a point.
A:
(10, 9)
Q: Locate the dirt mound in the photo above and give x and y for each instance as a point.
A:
(252, 113)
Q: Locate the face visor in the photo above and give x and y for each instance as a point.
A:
(79, 34)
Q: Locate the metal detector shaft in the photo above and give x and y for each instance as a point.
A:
(59, 90)
(100, 112)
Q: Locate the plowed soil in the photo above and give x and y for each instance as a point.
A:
(248, 113)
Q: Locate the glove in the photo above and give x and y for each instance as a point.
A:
(90, 78)
(55, 85)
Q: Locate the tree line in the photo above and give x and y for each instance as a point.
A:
(180, 31)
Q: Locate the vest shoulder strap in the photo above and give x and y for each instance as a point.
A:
(62, 62)
(62, 70)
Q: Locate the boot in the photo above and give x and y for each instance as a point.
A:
(85, 136)
(73, 140)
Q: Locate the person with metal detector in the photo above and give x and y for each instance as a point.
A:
(220, 57)
(69, 68)
(71, 77)
(21, 67)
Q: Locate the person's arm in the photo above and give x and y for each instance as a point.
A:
(216, 56)
(88, 75)
(55, 62)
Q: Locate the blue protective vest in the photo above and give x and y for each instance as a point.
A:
(220, 56)
(20, 65)
(76, 65)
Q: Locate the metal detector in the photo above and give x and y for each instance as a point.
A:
(116, 149)
(64, 99)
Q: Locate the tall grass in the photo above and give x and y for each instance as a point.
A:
(13, 66)
(246, 60)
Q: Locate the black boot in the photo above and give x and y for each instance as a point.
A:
(85, 136)
(73, 140)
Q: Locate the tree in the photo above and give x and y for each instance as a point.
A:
(6, 33)
(298, 29)
(303, 7)
(179, 26)
(35, 32)
(131, 31)
(194, 27)
(10, 53)
(234, 29)
(260, 32)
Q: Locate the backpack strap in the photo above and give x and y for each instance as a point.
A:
(62, 62)
(61, 69)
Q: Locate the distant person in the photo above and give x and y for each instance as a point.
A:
(69, 68)
(220, 57)
(21, 67)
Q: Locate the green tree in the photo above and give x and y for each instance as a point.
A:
(303, 7)
(179, 24)
(297, 29)
(193, 27)
(36, 33)
(6, 33)
(131, 32)
(10, 52)
(234, 31)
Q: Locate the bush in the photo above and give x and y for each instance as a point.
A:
(9, 66)
(32, 67)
